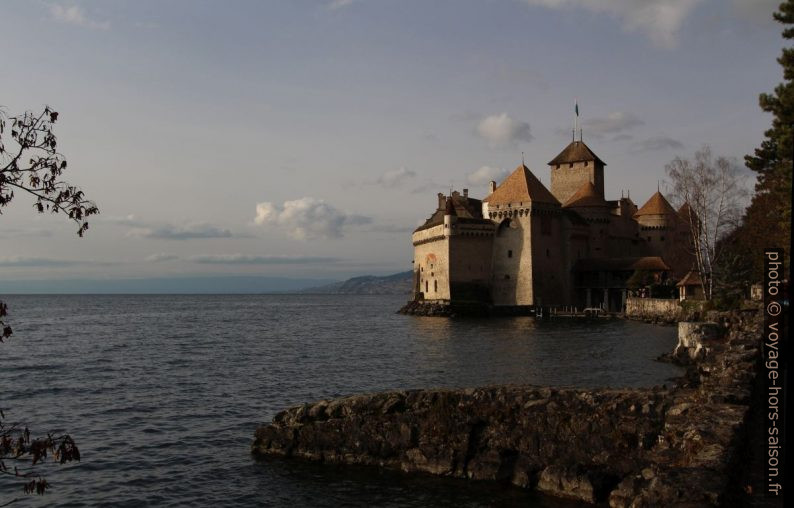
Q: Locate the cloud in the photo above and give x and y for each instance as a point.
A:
(74, 15)
(241, 259)
(485, 174)
(501, 130)
(124, 220)
(25, 233)
(188, 232)
(392, 228)
(657, 143)
(613, 123)
(17, 261)
(307, 218)
(340, 4)
(623, 137)
(161, 256)
(659, 20)
(395, 178)
(757, 11)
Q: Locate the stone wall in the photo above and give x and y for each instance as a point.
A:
(640, 447)
(654, 310)
(431, 259)
(566, 180)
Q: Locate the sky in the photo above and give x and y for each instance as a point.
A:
(308, 138)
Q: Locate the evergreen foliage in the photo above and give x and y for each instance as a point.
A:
(767, 221)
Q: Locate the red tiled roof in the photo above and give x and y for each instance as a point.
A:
(521, 186)
(577, 151)
(692, 278)
(656, 205)
(587, 195)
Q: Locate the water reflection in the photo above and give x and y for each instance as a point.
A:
(561, 352)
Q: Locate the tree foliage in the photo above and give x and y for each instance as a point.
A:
(30, 163)
(767, 221)
(712, 188)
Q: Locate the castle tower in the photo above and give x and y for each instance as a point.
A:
(450, 217)
(528, 264)
(572, 168)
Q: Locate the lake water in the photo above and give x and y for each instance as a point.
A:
(163, 393)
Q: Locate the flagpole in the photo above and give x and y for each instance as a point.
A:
(576, 118)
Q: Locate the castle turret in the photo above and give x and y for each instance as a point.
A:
(657, 212)
(572, 168)
(450, 217)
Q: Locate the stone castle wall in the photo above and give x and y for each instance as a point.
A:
(431, 260)
(566, 180)
(657, 310)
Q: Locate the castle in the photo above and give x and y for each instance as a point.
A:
(527, 246)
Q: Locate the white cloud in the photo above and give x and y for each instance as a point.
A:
(242, 259)
(501, 130)
(125, 220)
(25, 233)
(340, 4)
(657, 143)
(757, 11)
(307, 218)
(16, 261)
(161, 256)
(611, 124)
(396, 177)
(485, 174)
(74, 15)
(659, 20)
(187, 232)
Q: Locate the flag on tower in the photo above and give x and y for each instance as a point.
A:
(576, 107)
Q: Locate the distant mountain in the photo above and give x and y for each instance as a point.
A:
(165, 285)
(397, 284)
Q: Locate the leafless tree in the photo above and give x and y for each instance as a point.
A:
(714, 192)
(30, 162)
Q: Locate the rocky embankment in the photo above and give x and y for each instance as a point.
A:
(635, 447)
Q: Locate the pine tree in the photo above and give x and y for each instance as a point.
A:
(767, 221)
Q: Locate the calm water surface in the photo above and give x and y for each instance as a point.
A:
(163, 393)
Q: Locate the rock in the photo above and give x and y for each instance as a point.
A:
(561, 482)
(634, 447)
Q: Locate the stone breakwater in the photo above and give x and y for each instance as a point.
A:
(636, 447)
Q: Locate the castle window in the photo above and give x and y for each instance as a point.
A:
(435, 286)
(661, 239)
(510, 253)
(570, 164)
(507, 277)
(558, 166)
(427, 286)
(586, 163)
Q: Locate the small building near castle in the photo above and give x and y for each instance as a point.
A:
(524, 245)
